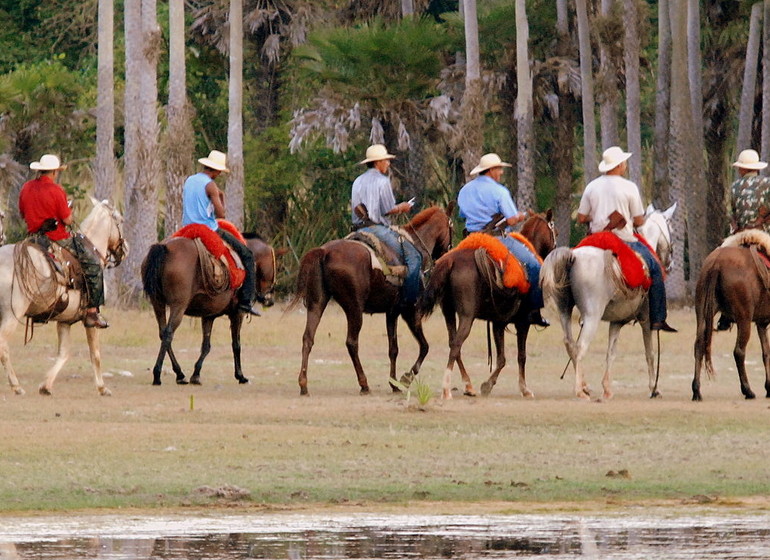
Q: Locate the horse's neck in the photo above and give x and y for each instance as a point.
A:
(97, 229)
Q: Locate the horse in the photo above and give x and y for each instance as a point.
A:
(590, 278)
(464, 291)
(2, 227)
(173, 281)
(730, 281)
(342, 270)
(33, 290)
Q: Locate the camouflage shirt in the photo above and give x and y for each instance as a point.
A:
(747, 195)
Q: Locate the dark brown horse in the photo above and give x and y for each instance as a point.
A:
(730, 282)
(171, 274)
(463, 291)
(342, 270)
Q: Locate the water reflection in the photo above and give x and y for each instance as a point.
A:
(368, 536)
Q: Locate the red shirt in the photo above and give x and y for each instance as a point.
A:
(41, 199)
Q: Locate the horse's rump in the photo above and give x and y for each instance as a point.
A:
(152, 271)
(309, 277)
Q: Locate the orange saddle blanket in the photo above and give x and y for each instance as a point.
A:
(631, 263)
(216, 246)
(514, 275)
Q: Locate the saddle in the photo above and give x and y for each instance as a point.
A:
(394, 253)
(758, 243)
(631, 263)
(496, 262)
(220, 266)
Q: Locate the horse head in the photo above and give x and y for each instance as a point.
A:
(432, 230)
(540, 229)
(266, 263)
(103, 227)
(657, 231)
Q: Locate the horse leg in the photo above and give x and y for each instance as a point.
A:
(650, 358)
(160, 317)
(391, 326)
(739, 354)
(579, 349)
(166, 337)
(94, 350)
(354, 316)
(207, 324)
(612, 345)
(414, 322)
(6, 328)
(236, 321)
(455, 346)
(315, 311)
(498, 333)
(762, 334)
(63, 354)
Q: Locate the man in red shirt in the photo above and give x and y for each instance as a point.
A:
(43, 205)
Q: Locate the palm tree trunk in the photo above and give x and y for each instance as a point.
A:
(746, 114)
(608, 75)
(586, 75)
(633, 92)
(179, 135)
(471, 106)
(407, 8)
(525, 125)
(661, 196)
(104, 166)
(234, 197)
(564, 145)
(765, 142)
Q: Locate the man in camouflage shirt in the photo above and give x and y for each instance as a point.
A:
(750, 195)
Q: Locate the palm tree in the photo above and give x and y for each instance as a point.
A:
(234, 199)
(746, 115)
(694, 72)
(407, 8)
(765, 142)
(633, 93)
(179, 135)
(525, 125)
(104, 165)
(587, 81)
(607, 83)
(471, 109)
(660, 179)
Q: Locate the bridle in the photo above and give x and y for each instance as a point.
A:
(115, 255)
(665, 234)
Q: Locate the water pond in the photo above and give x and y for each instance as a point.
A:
(364, 536)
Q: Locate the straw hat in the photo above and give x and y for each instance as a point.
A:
(612, 157)
(749, 159)
(216, 160)
(48, 162)
(488, 161)
(376, 152)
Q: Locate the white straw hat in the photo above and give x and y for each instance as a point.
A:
(612, 157)
(488, 161)
(216, 160)
(749, 159)
(48, 162)
(376, 152)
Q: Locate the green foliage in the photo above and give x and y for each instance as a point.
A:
(375, 63)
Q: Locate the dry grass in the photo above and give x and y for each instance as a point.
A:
(145, 447)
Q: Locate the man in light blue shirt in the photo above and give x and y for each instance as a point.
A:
(372, 200)
(202, 203)
(484, 202)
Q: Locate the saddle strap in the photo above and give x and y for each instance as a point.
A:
(761, 266)
(215, 276)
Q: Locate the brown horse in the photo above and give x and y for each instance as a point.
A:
(342, 269)
(171, 275)
(464, 292)
(730, 282)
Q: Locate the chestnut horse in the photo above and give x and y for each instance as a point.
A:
(342, 269)
(464, 292)
(172, 280)
(730, 282)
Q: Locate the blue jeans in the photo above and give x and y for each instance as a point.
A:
(657, 292)
(532, 268)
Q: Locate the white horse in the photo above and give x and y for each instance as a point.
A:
(590, 278)
(35, 291)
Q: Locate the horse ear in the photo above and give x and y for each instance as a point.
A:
(549, 215)
(650, 209)
(670, 212)
(281, 252)
(450, 207)
(93, 200)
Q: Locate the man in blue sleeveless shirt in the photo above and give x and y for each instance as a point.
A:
(483, 203)
(202, 203)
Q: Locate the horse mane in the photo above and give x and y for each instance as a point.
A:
(749, 237)
(424, 216)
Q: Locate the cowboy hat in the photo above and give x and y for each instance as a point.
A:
(749, 159)
(48, 162)
(376, 152)
(611, 158)
(216, 160)
(488, 161)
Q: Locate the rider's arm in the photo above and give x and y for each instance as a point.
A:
(217, 198)
(583, 218)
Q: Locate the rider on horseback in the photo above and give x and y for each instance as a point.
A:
(372, 199)
(484, 198)
(43, 205)
(203, 203)
(612, 203)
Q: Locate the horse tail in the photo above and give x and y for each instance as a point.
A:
(705, 310)
(554, 275)
(434, 291)
(309, 278)
(152, 270)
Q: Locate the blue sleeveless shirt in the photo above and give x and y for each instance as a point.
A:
(196, 206)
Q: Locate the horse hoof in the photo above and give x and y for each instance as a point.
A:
(406, 379)
(528, 394)
(181, 381)
(194, 380)
(750, 396)
(156, 382)
(242, 380)
(364, 391)
(486, 388)
(394, 388)
(303, 392)
(43, 390)
(655, 395)
(105, 392)
(469, 393)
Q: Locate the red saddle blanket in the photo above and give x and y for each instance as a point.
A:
(631, 263)
(514, 275)
(216, 246)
